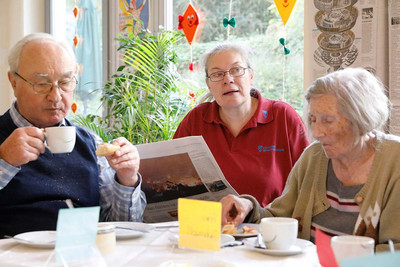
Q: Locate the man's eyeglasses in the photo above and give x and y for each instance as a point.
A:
(219, 75)
(66, 86)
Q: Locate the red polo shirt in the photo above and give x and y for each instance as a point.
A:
(259, 159)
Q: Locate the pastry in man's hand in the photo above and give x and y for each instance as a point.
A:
(105, 149)
(229, 229)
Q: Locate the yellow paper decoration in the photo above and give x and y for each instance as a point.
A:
(285, 8)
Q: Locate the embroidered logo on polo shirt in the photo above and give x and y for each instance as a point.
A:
(265, 113)
(269, 148)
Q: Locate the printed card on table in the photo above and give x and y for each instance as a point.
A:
(76, 233)
(199, 224)
(386, 259)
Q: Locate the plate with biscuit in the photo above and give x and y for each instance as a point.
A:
(241, 231)
(224, 241)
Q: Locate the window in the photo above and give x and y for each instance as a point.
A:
(89, 49)
(259, 25)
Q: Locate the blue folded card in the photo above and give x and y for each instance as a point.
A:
(386, 259)
(76, 233)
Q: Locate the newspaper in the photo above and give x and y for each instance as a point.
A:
(179, 168)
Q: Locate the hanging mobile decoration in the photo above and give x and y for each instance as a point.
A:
(76, 12)
(188, 23)
(229, 21)
(285, 49)
(74, 106)
(285, 8)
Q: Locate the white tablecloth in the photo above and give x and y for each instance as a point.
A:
(157, 249)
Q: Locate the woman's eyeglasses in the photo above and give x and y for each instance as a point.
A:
(219, 75)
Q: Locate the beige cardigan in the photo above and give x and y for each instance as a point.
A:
(304, 195)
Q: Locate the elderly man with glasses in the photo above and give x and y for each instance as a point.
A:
(255, 141)
(34, 183)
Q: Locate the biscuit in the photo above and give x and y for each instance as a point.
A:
(105, 149)
(229, 228)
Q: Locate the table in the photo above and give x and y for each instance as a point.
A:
(156, 249)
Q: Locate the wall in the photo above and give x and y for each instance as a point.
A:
(381, 44)
(17, 18)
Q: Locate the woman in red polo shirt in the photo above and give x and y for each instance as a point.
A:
(255, 140)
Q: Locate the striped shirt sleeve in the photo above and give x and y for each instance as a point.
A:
(7, 172)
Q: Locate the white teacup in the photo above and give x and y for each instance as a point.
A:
(279, 232)
(60, 139)
(348, 246)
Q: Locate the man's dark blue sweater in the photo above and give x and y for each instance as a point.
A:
(31, 200)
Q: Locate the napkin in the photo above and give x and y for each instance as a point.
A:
(324, 250)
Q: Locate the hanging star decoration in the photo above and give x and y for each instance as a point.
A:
(285, 49)
(74, 107)
(188, 23)
(227, 22)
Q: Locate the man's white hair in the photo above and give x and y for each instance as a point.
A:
(16, 50)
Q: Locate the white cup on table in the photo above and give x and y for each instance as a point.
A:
(348, 246)
(279, 232)
(60, 139)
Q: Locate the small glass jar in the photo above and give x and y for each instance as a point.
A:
(106, 240)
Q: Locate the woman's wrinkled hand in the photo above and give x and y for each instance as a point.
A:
(235, 209)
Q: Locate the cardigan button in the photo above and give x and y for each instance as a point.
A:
(359, 199)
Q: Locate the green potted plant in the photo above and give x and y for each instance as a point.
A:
(146, 98)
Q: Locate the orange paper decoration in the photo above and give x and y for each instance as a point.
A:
(74, 107)
(285, 8)
(188, 23)
(75, 11)
(76, 40)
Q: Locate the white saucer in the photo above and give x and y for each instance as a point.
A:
(198, 263)
(240, 233)
(130, 234)
(297, 248)
(225, 239)
(37, 239)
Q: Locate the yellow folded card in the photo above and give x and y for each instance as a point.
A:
(199, 224)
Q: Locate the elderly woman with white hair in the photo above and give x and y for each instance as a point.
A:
(347, 182)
